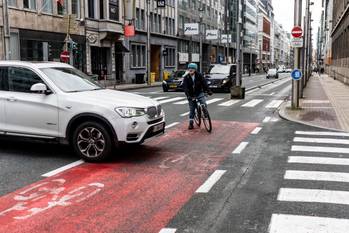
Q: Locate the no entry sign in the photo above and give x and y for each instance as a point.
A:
(297, 32)
(65, 56)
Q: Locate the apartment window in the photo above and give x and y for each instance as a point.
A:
(140, 19)
(29, 4)
(138, 56)
(170, 59)
(101, 9)
(75, 8)
(91, 9)
(62, 7)
(12, 3)
(47, 6)
(114, 10)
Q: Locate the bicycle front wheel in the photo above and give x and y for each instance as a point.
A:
(206, 119)
(197, 118)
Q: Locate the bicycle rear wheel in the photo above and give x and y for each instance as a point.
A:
(197, 117)
(206, 119)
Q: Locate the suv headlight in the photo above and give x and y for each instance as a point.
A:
(225, 80)
(127, 112)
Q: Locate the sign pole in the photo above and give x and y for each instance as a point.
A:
(148, 42)
(295, 84)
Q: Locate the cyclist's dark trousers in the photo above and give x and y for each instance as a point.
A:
(192, 105)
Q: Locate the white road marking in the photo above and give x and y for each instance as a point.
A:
(317, 176)
(318, 160)
(171, 100)
(211, 181)
(314, 195)
(252, 103)
(319, 133)
(181, 102)
(256, 130)
(266, 119)
(185, 114)
(160, 98)
(274, 119)
(240, 148)
(64, 168)
(320, 149)
(281, 223)
(214, 100)
(316, 101)
(171, 125)
(274, 104)
(229, 103)
(168, 230)
(322, 140)
(272, 93)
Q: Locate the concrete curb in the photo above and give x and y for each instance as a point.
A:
(283, 115)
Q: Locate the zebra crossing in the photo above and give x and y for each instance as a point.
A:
(221, 102)
(325, 151)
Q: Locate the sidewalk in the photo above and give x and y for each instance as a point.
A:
(325, 105)
(127, 87)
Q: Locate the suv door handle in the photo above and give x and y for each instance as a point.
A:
(11, 99)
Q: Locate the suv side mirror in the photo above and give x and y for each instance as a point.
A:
(39, 88)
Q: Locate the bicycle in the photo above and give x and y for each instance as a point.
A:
(202, 114)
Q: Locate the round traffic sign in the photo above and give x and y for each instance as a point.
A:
(296, 74)
(297, 32)
(65, 56)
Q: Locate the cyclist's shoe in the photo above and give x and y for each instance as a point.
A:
(191, 125)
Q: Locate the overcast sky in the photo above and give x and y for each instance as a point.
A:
(283, 10)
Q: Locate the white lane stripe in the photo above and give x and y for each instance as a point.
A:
(181, 102)
(320, 149)
(211, 181)
(171, 100)
(62, 169)
(171, 125)
(256, 130)
(317, 176)
(274, 119)
(252, 103)
(214, 100)
(240, 148)
(161, 98)
(314, 195)
(318, 160)
(185, 114)
(274, 104)
(229, 103)
(282, 223)
(266, 119)
(272, 93)
(318, 133)
(322, 140)
(168, 230)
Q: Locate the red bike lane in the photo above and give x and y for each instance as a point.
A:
(141, 191)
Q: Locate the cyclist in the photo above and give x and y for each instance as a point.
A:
(195, 86)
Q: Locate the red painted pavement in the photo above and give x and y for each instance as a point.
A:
(140, 192)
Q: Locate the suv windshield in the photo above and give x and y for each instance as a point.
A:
(70, 79)
(220, 70)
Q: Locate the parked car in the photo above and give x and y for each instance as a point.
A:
(272, 73)
(288, 70)
(175, 82)
(221, 77)
(55, 101)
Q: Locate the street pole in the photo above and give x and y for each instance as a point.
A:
(6, 29)
(148, 42)
(250, 60)
(238, 47)
(297, 53)
(200, 35)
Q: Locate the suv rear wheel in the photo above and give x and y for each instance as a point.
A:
(92, 142)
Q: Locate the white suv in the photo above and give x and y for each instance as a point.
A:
(57, 101)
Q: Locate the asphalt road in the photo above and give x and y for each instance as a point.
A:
(255, 173)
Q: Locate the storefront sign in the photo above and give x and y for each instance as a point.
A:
(183, 58)
(195, 57)
(161, 3)
(191, 29)
(129, 30)
(212, 34)
(225, 38)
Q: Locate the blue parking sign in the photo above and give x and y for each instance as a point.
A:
(296, 74)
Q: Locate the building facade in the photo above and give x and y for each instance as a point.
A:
(264, 37)
(340, 38)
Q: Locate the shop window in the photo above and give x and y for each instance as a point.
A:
(138, 56)
(62, 7)
(29, 4)
(170, 58)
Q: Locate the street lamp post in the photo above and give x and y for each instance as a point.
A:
(148, 43)
(200, 37)
(6, 29)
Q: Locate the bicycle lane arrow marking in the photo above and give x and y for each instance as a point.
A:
(139, 192)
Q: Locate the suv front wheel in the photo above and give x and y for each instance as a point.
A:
(92, 142)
